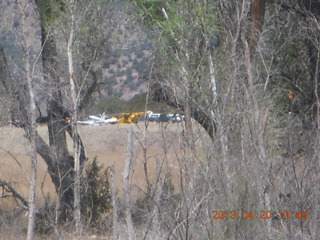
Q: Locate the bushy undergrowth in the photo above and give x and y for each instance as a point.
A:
(96, 194)
(95, 201)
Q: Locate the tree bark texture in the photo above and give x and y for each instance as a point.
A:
(115, 218)
(60, 162)
(127, 186)
(258, 9)
(31, 127)
(257, 124)
(74, 117)
(56, 155)
(6, 79)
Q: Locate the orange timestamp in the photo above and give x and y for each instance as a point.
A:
(259, 214)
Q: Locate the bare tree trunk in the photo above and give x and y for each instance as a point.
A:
(145, 163)
(34, 161)
(6, 79)
(257, 17)
(213, 82)
(158, 193)
(31, 130)
(315, 232)
(74, 117)
(217, 117)
(187, 121)
(115, 219)
(258, 123)
(127, 186)
(56, 154)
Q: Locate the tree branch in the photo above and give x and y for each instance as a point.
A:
(8, 188)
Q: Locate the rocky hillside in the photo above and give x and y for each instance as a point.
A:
(122, 69)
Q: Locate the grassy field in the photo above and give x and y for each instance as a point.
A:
(107, 143)
(163, 142)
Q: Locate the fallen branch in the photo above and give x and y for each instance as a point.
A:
(6, 187)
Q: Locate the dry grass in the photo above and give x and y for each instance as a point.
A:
(107, 143)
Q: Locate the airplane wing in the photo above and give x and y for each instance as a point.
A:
(111, 120)
(95, 118)
(100, 120)
(89, 122)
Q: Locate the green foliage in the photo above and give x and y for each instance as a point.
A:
(96, 194)
(178, 18)
(186, 32)
(50, 10)
(292, 76)
(150, 10)
(111, 104)
(115, 104)
(280, 104)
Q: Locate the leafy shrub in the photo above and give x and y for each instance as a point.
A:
(96, 194)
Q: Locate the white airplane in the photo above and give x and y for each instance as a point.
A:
(111, 120)
(88, 122)
(97, 121)
(158, 117)
(103, 119)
